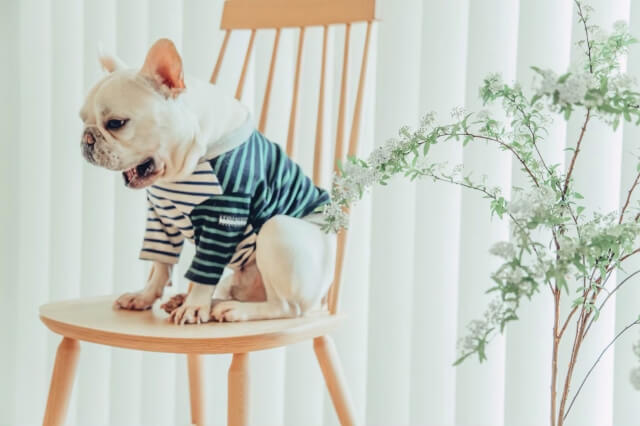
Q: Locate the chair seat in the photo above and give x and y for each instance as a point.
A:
(94, 320)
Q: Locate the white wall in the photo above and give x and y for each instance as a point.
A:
(417, 263)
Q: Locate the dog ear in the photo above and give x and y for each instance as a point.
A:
(109, 63)
(164, 65)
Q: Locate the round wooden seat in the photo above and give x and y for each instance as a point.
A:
(94, 320)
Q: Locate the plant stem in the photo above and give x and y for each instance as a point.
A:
(626, 256)
(554, 361)
(610, 294)
(586, 34)
(490, 196)
(526, 118)
(577, 342)
(566, 322)
(575, 154)
(626, 203)
(595, 294)
(636, 322)
(504, 145)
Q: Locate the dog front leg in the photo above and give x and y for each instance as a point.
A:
(196, 307)
(159, 278)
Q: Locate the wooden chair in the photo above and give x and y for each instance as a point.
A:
(94, 320)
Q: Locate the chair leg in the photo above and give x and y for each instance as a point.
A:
(196, 389)
(238, 399)
(334, 378)
(61, 382)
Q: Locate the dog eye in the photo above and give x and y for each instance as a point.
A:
(115, 124)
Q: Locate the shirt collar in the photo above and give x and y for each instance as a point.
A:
(230, 140)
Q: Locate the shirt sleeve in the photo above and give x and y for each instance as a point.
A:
(162, 242)
(220, 223)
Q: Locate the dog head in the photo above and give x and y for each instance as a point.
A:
(136, 121)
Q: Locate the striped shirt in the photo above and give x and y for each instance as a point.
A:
(223, 204)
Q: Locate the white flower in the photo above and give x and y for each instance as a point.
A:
(405, 131)
(335, 217)
(512, 275)
(483, 115)
(549, 82)
(356, 173)
(598, 35)
(537, 202)
(423, 163)
(636, 349)
(622, 82)
(539, 270)
(494, 313)
(355, 179)
(520, 207)
(398, 144)
(380, 155)
(503, 249)
(634, 378)
(494, 82)
(479, 328)
(594, 100)
(428, 119)
(476, 330)
(575, 87)
(458, 169)
(458, 113)
(568, 247)
(587, 10)
(620, 26)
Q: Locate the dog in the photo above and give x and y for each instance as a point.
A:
(213, 180)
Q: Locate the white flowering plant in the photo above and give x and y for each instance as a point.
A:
(555, 246)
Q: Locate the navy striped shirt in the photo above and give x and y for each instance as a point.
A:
(223, 204)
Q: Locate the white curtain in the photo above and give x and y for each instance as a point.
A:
(417, 265)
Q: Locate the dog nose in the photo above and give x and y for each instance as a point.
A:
(88, 138)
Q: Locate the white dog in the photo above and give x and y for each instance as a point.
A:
(213, 180)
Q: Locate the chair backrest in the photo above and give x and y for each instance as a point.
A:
(257, 15)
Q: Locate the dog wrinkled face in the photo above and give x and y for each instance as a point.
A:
(135, 121)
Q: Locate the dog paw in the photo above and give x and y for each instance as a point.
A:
(229, 310)
(138, 301)
(190, 314)
(173, 303)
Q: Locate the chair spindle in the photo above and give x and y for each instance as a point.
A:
(343, 98)
(317, 152)
(267, 93)
(334, 291)
(223, 49)
(294, 100)
(245, 65)
(357, 111)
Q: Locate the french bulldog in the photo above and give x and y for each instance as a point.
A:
(161, 129)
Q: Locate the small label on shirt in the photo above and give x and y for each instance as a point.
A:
(233, 221)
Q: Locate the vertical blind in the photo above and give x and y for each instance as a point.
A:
(417, 264)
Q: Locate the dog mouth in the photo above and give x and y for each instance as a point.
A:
(142, 175)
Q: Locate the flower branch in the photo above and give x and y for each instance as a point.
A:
(553, 242)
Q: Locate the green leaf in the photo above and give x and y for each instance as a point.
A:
(564, 77)
(535, 99)
(462, 358)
